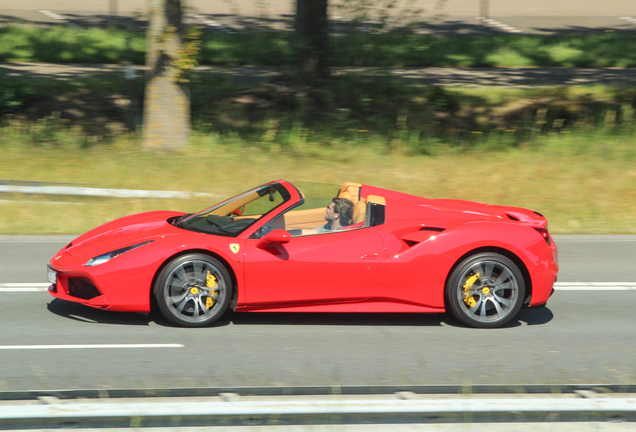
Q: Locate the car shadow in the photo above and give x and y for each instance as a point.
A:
(86, 314)
(526, 316)
(535, 316)
(348, 319)
(79, 312)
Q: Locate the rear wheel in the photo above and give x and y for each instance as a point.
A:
(193, 290)
(485, 290)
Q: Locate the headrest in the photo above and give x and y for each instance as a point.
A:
(350, 190)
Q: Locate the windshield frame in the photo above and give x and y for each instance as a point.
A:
(228, 209)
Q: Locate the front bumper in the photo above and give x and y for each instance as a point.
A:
(76, 288)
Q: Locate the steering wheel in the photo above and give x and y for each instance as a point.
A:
(266, 229)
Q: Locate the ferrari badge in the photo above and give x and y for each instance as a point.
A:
(234, 247)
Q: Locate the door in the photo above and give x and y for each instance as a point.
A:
(329, 267)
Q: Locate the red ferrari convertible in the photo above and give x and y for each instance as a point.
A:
(282, 247)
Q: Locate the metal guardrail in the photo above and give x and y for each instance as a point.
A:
(350, 390)
(316, 405)
(44, 188)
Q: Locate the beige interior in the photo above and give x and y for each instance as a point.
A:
(310, 218)
(376, 199)
(351, 191)
(359, 210)
(313, 218)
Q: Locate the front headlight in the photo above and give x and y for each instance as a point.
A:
(51, 274)
(101, 259)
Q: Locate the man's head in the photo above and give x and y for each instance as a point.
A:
(339, 212)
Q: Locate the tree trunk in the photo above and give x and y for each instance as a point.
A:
(312, 31)
(167, 101)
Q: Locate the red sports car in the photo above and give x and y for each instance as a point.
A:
(315, 248)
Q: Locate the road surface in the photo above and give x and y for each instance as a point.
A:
(583, 336)
(444, 16)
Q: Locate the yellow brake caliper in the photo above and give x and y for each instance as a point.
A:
(468, 298)
(211, 283)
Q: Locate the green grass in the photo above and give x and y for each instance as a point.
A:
(276, 48)
(583, 183)
(70, 45)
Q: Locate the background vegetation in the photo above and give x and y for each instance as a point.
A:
(567, 152)
(583, 183)
(276, 48)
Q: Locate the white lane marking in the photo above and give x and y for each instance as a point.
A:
(4, 290)
(111, 346)
(24, 287)
(594, 238)
(62, 242)
(57, 17)
(53, 15)
(502, 26)
(595, 286)
(211, 23)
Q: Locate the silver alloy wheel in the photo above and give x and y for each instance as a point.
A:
(487, 291)
(194, 291)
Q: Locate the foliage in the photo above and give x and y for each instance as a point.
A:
(394, 47)
(13, 97)
(350, 107)
(187, 59)
(70, 45)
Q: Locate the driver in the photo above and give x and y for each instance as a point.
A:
(338, 214)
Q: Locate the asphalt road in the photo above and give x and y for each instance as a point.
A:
(444, 16)
(581, 337)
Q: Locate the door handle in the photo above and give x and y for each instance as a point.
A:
(370, 256)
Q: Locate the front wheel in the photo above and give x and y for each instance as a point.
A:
(193, 290)
(485, 290)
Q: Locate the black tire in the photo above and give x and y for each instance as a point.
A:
(485, 290)
(193, 290)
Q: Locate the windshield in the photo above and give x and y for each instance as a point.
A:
(233, 216)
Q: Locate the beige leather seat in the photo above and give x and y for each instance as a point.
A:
(359, 211)
(351, 191)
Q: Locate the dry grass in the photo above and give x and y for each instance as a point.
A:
(580, 190)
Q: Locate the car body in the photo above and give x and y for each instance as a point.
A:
(259, 252)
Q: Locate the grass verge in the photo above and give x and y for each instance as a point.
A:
(582, 183)
(276, 48)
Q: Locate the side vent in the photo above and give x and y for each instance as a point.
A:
(511, 217)
(422, 235)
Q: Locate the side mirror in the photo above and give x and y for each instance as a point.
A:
(279, 236)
